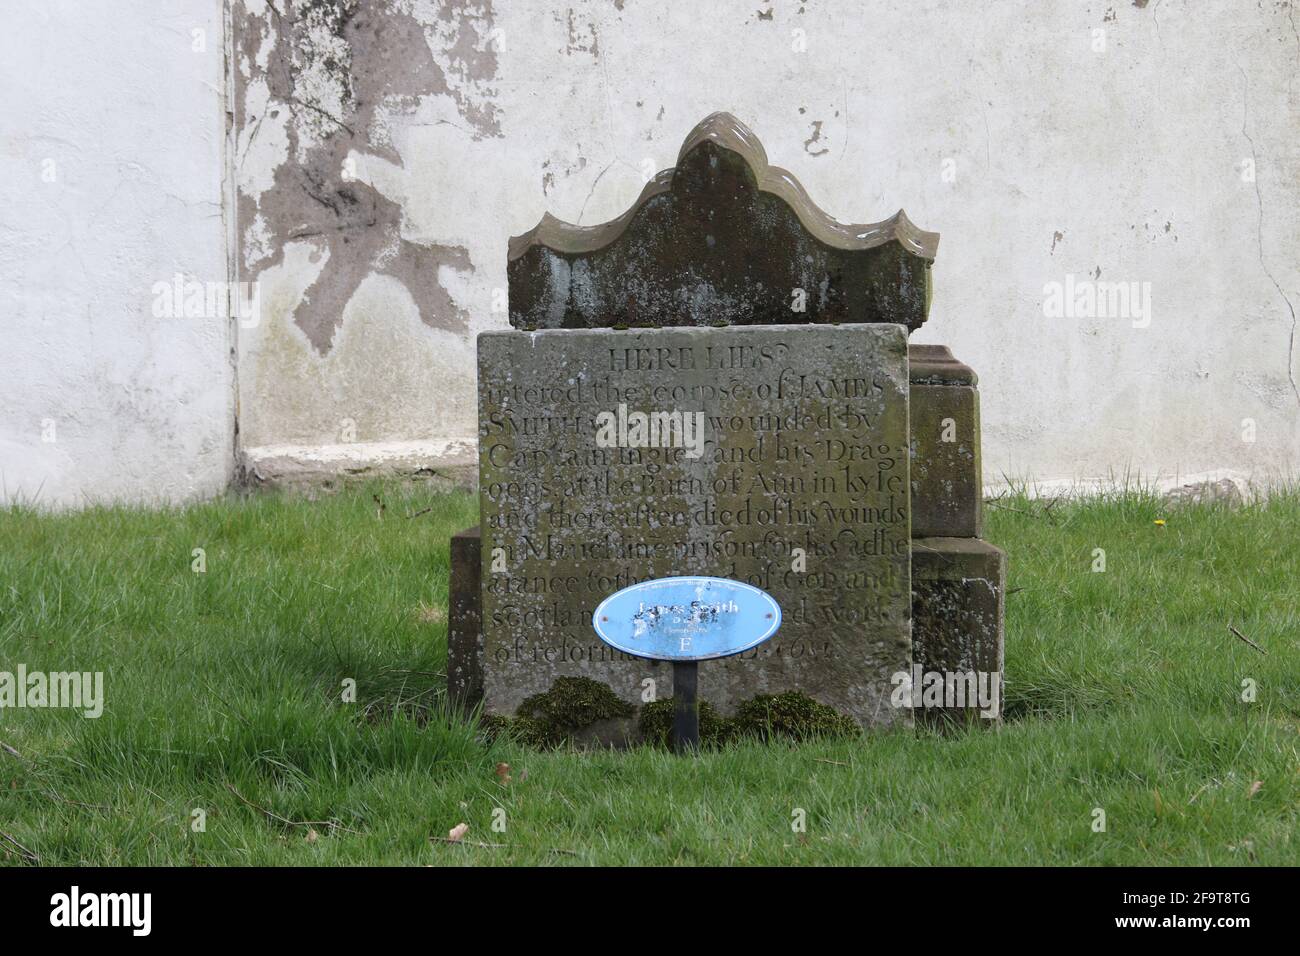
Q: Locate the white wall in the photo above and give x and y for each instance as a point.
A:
(111, 138)
(382, 160)
(1064, 160)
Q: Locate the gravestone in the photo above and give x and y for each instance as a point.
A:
(718, 383)
(777, 456)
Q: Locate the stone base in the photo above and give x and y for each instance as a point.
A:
(947, 493)
(448, 463)
(958, 588)
(957, 606)
(465, 622)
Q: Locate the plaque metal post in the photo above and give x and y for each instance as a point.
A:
(686, 706)
(686, 619)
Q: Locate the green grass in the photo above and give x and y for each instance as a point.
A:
(1123, 693)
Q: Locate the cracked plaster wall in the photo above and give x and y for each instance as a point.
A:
(383, 151)
(389, 151)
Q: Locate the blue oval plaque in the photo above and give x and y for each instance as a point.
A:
(687, 618)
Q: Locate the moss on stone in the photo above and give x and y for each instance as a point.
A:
(793, 715)
(576, 703)
(656, 724)
(521, 730)
(551, 718)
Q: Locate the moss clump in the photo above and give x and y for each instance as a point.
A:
(793, 715)
(549, 719)
(575, 703)
(656, 723)
(523, 730)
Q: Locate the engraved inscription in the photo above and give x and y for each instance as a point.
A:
(776, 456)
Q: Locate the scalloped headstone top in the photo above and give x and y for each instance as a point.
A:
(722, 238)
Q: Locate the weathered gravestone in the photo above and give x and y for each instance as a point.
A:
(777, 456)
(718, 383)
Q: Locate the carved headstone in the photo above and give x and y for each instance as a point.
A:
(721, 239)
(775, 456)
(723, 297)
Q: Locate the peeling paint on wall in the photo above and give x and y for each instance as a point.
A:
(312, 79)
(320, 86)
(387, 150)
